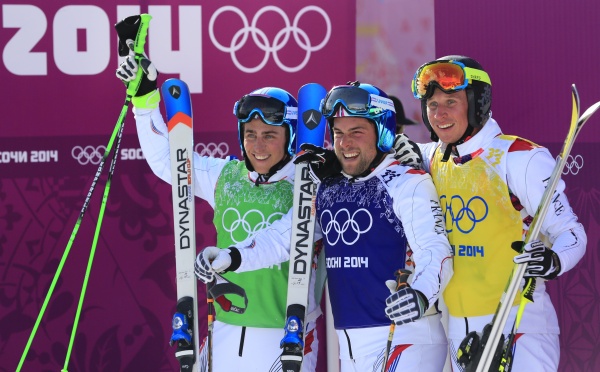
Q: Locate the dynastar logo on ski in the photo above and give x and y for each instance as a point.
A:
(311, 118)
(305, 211)
(184, 184)
(175, 91)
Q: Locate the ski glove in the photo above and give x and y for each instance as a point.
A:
(127, 29)
(215, 260)
(128, 69)
(541, 261)
(405, 304)
(322, 163)
(407, 152)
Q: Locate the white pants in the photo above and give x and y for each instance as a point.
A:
(420, 345)
(534, 352)
(257, 351)
(422, 358)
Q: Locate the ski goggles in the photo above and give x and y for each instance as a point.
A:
(271, 110)
(449, 76)
(356, 101)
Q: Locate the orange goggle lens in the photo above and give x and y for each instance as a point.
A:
(449, 76)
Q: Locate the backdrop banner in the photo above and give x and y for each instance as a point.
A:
(61, 104)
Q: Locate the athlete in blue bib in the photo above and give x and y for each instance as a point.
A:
(375, 216)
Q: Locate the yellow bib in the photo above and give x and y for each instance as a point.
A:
(481, 223)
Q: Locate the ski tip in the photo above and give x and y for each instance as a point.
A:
(176, 97)
(575, 95)
(312, 92)
(311, 86)
(311, 123)
(588, 113)
(175, 88)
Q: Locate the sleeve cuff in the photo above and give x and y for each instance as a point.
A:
(147, 101)
(236, 259)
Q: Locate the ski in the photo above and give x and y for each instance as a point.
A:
(506, 300)
(310, 129)
(178, 105)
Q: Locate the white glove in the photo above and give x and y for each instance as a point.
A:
(541, 261)
(404, 305)
(210, 261)
(127, 72)
(128, 69)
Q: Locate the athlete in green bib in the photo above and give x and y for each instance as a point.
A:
(247, 196)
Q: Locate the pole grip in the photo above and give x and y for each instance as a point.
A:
(138, 48)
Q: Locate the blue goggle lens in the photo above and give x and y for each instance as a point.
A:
(271, 110)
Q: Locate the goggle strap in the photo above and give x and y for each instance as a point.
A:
(382, 102)
(291, 113)
(475, 74)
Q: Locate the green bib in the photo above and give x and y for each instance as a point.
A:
(241, 209)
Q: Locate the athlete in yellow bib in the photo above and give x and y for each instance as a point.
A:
(490, 185)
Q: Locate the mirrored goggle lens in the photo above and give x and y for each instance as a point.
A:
(355, 100)
(272, 110)
(450, 76)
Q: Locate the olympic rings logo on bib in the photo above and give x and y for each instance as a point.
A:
(464, 216)
(345, 226)
(241, 227)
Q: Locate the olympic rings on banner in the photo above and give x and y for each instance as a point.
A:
(573, 164)
(263, 43)
(88, 154)
(212, 149)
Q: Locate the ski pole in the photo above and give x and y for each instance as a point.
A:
(117, 131)
(402, 281)
(211, 318)
(93, 249)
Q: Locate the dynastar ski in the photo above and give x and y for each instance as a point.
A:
(178, 105)
(310, 129)
(507, 299)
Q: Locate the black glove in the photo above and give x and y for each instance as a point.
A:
(471, 348)
(407, 152)
(127, 30)
(322, 163)
(541, 261)
(405, 304)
